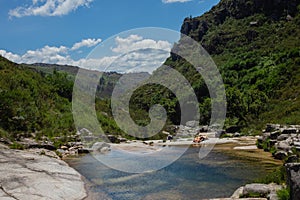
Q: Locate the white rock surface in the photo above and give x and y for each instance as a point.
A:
(28, 176)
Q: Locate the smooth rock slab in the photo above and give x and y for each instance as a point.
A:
(27, 175)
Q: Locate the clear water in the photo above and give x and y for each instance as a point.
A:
(218, 175)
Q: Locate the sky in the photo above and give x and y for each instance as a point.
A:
(66, 31)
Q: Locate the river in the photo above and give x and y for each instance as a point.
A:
(217, 175)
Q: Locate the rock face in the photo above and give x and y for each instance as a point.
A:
(27, 175)
(293, 171)
(197, 27)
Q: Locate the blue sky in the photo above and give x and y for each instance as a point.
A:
(65, 31)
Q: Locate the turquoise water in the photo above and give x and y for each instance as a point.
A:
(217, 175)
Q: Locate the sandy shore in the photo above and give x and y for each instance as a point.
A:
(239, 143)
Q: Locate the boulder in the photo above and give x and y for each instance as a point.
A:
(83, 151)
(257, 188)
(280, 155)
(293, 180)
(272, 127)
(297, 144)
(283, 145)
(113, 139)
(266, 135)
(292, 159)
(237, 193)
(289, 130)
(282, 137)
(274, 135)
(204, 129)
(273, 196)
(272, 142)
(100, 147)
(192, 124)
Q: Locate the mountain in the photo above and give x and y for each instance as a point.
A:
(256, 46)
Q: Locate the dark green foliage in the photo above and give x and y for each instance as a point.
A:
(258, 53)
(278, 176)
(283, 194)
(31, 103)
(254, 195)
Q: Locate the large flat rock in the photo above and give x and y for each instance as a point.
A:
(27, 175)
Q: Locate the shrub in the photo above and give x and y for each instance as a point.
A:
(283, 194)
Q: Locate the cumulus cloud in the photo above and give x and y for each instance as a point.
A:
(175, 1)
(136, 42)
(86, 43)
(129, 54)
(49, 8)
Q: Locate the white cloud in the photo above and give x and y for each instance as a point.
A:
(136, 42)
(175, 1)
(49, 8)
(130, 54)
(10, 56)
(86, 43)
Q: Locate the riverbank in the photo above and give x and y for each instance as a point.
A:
(236, 143)
(25, 174)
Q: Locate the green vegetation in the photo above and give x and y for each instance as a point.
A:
(283, 194)
(253, 195)
(278, 176)
(257, 50)
(32, 104)
(258, 54)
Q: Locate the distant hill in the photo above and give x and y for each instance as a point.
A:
(49, 68)
(106, 84)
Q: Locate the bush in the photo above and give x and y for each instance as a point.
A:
(283, 194)
(16, 145)
(278, 176)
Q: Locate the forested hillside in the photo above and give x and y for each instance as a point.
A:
(32, 105)
(256, 46)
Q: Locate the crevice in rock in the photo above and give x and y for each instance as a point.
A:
(10, 195)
